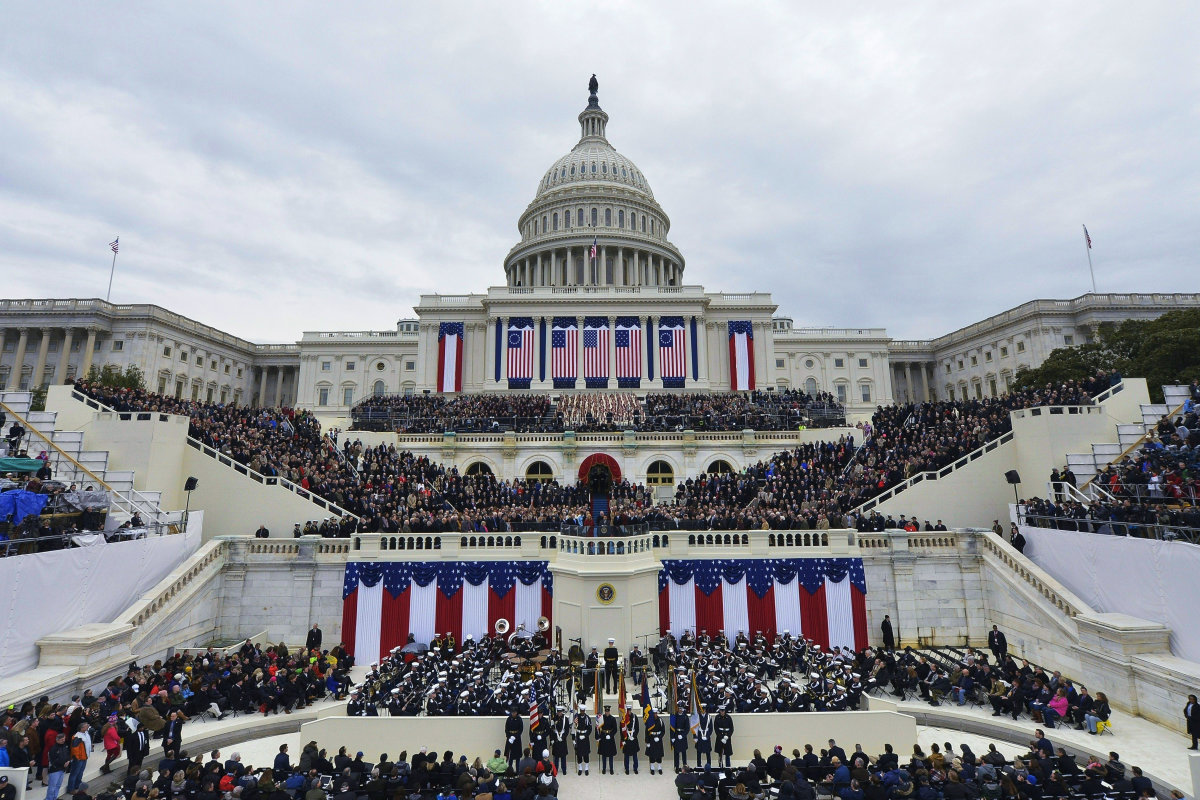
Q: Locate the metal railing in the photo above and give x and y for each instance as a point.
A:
(229, 461)
(118, 499)
(1140, 530)
(18, 545)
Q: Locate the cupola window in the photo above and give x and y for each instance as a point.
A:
(604, 168)
(608, 217)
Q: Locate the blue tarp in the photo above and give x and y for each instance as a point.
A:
(20, 504)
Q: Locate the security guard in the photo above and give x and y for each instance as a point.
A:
(606, 733)
(703, 736)
(582, 734)
(680, 726)
(724, 729)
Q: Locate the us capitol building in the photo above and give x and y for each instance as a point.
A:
(595, 297)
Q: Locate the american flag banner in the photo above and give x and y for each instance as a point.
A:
(520, 352)
(741, 356)
(535, 713)
(822, 599)
(672, 352)
(564, 352)
(594, 251)
(450, 353)
(628, 344)
(115, 244)
(383, 602)
(595, 352)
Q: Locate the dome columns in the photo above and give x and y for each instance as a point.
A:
(615, 265)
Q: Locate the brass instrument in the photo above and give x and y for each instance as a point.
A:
(543, 624)
(502, 626)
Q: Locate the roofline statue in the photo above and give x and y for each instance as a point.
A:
(593, 87)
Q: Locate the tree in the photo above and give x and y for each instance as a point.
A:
(1165, 350)
(111, 376)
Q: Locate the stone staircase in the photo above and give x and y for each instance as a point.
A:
(1087, 465)
(72, 463)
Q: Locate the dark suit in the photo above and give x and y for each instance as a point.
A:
(137, 747)
(313, 642)
(998, 644)
(889, 638)
(1191, 714)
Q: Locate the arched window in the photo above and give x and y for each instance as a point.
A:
(604, 168)
(810, 385)
(643, 223)
(544, 229)
(479, 468)
(379, 388)
(539, 471)
(572, 169)
(595, 217)
(620, 218)
(593, 167)
(659, 473)
(555, 220)
(719, 467)
(567, 218)
(608, 217)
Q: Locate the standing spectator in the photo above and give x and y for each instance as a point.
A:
(889, 638)
(1191, 715)
(111, 735)
(998, 644)
(81, 747)
(58, 756)
(313, 642)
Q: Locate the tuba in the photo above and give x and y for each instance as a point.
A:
(543, 624)
(502, 626)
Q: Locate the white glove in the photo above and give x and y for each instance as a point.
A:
(512, 739)
(724, 740)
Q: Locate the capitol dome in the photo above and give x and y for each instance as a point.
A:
(593, 195)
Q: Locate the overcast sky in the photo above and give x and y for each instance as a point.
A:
(275, 168)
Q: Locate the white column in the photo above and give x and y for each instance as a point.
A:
(14, 377)
(768, 344)
(60, 374)
(760, 353)
(89, 351)
(930, 374)
(619, 271)
(645, 339)
(579, 352)
(262, 388)
(39, 367)
(909, 394)
(489, 336)
(279, 386)
(612, 352)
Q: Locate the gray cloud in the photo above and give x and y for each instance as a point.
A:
(275, 168)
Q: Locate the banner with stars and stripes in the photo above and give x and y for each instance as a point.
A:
(672, 352)
(741, 356)
(382, 603)
(564, 347)
(595, 352)
(822, 599)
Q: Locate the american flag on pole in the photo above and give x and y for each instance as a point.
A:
(595, 352)
(1087, 236)
(595, 251)
(114, 244)
(520, 352)
(628, 345)
(672, 352)
(564, 352)
(535, 713)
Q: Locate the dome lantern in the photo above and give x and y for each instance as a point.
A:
(592, 120)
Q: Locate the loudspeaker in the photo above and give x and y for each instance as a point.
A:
(190, 484)
(1012, 477)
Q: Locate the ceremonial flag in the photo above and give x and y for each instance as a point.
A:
(628, 345)
(645, 698)
(822, 599)
(741, 356)
(535, 714)
(622, 710)
(694, 704)
(595, 352)
(672, 352)
(383, 602)
(564, 351)
(599, 704)
(450, 351)
(520, 352)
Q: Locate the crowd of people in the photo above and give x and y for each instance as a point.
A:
(464, 413)
(595, 412)
(390, 490)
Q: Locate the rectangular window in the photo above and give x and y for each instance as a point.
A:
(322, 397)
(841, 393)
(992, 386)
(839, 362)
(183, 355)
(326, 366)
(779, 363)
(199, 361)
(117, 346)
(409, 391)
(987, 356)
(947, 369)
(862, 362)
(349, 366)
(960, 363)
(227, 370)
(866, 392)
(1068, 340)
(166, 352)
(239, 372)
(409, 366)
(1004, 352)
(974, 361)
(348, 396)
(1020, 347)
(212, 365)
(208, 396)
(162, 385)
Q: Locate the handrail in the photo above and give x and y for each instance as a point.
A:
(1137, 530)
(1137, 445)
(131, 508)
(229, 461)
(1116, 388)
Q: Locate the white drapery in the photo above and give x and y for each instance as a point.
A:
(422, 611)
(840, 613)
(475, 610)
(682, 597)
(369, 621)
(787, 608)
(734, 606)
(527, 606)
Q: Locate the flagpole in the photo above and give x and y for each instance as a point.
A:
(112, 270)
(1087, 246)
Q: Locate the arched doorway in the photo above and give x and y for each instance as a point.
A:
(600, 458)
